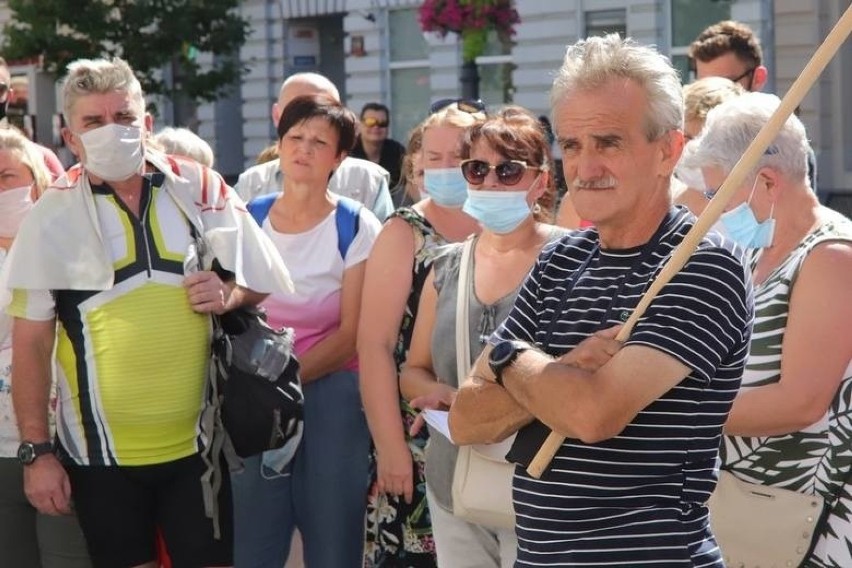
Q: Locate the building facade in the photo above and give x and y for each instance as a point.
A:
(374, 51)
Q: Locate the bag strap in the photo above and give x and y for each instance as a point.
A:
(347, 216)
(463, 310)
(218, 441)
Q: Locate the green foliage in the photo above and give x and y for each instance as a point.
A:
(149, 34)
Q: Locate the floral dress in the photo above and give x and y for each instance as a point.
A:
(400, 534)
(817, 459)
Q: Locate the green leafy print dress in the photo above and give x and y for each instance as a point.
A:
(816, 460)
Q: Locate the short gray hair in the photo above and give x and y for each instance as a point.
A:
(593, 62)
(184, 142)
(733, 125)
(97, 76)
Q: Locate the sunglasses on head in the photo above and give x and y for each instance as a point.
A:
(509, 172)
(372, 121)
(465, 105)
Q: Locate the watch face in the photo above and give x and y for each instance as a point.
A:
(26, 453)
(501, 352)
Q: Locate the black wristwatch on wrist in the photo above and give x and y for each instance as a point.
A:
(28, 452)
(504, 354)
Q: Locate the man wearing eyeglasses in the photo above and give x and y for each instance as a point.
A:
(732, 50)
(355, 178)
(374, 144)
(729, 49)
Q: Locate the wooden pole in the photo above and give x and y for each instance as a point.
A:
(714, 209)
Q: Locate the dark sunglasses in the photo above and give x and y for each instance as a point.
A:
(372, 121)
(509, 172)
(4, 88)
(465, 105)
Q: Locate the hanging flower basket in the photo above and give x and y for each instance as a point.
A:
(470, 19)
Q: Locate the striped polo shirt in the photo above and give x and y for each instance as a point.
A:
(637, 499)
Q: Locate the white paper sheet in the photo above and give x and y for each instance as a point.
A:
(440, 421)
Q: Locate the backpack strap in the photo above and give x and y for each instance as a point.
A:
(347, 218)
(218, 443)
(259, 206)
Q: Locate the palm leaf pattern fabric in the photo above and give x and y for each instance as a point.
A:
(818, 459)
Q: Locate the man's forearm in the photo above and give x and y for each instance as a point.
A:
(484, 412)
(31, 378)
(555, 393)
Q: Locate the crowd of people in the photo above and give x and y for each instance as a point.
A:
(446, 275)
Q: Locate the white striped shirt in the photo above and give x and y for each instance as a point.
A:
(637, 499)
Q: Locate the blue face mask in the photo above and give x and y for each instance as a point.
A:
(498, 211)
(741, 226)
(446, 186)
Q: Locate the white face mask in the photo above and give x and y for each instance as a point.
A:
(113, 151)
(14, 205)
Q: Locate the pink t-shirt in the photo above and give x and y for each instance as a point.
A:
(315, 266)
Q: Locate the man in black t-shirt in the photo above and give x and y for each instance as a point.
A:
(642, 420)
(373, 143)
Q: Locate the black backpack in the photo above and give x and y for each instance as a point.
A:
(257, 378)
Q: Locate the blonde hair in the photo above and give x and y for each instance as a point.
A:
(451, 115)
(267, 154)
(704, 94)
(15, 141)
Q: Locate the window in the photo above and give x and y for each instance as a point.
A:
(409, 73)
(495, 72)
(688, 19)
(603, 22)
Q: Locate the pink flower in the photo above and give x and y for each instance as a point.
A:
(445, 16)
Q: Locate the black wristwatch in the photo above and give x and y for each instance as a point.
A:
(504, 354)
(28, 452)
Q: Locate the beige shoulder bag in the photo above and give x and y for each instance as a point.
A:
(756, 525)
(482, 480)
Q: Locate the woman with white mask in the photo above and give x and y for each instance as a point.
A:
(398, 525)
(507, 171)
(27, 537)
(789, 426)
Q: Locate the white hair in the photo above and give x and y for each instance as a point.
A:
(184, 142)
(733, 125)
(595, 61)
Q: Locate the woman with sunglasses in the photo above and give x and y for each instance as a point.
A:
(27, 537)
(399, 530)
(508, 176)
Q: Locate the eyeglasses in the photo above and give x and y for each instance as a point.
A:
(4, 88)
(509, 172)
(371, 121)
(465, 105)
(743, 76)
